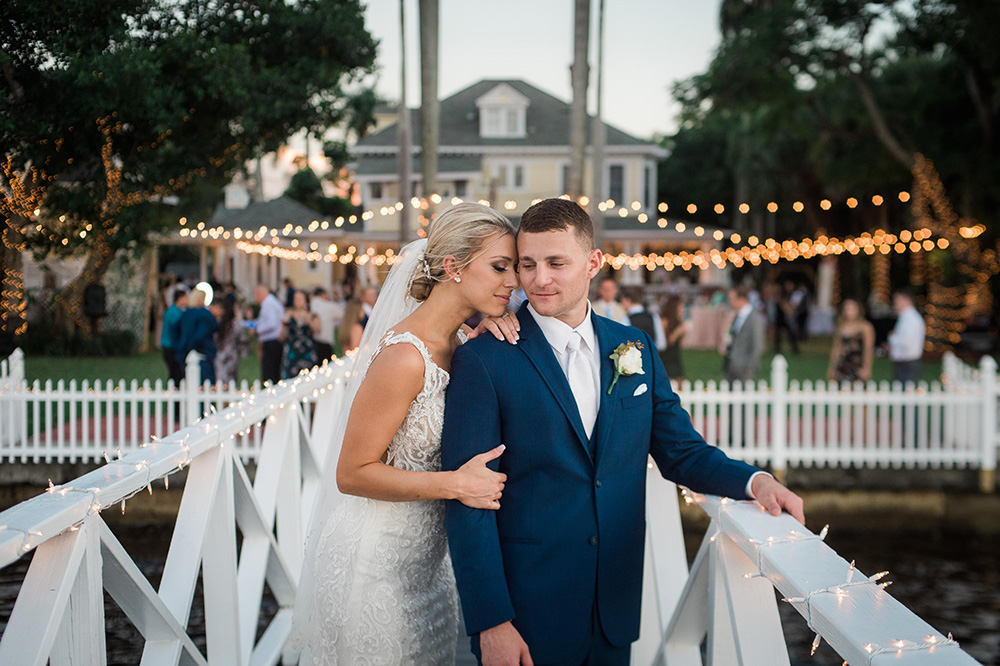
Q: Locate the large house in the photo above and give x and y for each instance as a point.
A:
(506, 142)
(503, 141)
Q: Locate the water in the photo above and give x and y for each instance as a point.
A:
(950, 580)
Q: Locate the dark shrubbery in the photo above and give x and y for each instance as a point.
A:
(45, 338)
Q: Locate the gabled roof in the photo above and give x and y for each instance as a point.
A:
(388, 165)
(547, 122)
(283, 210)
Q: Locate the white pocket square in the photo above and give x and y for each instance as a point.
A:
(642, 388)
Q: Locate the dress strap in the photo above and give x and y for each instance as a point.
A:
(392, 338)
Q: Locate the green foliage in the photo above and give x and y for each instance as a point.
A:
(191, 91)
(307, 188)
(48, 339)
(779, 114)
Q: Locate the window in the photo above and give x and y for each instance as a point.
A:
(509, 176)
(502, 113)
(461, 186)
(376, 190)
(491, 123)
(616, 183)
(564, 189)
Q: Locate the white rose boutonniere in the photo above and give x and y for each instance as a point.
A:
(628, 361)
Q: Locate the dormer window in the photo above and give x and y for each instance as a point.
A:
(502, 113)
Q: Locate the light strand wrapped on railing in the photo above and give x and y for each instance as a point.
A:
(333, 370)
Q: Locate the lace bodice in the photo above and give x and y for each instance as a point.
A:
(417, 444)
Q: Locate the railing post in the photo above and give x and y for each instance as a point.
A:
(779, 416)
(988, 468)
(192, 386)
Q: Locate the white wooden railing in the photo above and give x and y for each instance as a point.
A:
(59, 611)
(727, 599)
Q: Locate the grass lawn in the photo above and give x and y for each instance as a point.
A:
(810, 363)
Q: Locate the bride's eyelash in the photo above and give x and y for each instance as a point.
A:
(500, 269)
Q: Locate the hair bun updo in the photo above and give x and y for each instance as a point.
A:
(458, 232)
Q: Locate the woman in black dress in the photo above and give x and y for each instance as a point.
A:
(675, 328)
(853, 345)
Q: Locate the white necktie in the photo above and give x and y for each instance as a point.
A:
(580, 373)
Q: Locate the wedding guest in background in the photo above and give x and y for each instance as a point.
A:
(326, 312)
(230, 341)
(197, 333)
(746, 339)
(799, 300)
(297, 330)
(171, 334)
(785, 321)
(636, 313)
(853, 345)
(606, 305)
(289, 291)
(268, 327)
(906, 342)
(368, 297)
(351, 328)
(674, 329)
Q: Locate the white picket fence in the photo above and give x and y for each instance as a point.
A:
(776, 423)
(781, 423)
(82, 421)
(239, 534)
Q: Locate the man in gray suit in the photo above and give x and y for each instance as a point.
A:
(746, 338)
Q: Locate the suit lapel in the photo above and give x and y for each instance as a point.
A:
(533, 343)
(606, 343)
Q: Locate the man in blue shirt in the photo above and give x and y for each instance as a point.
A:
(171, 333)
(197, 333)
(268, 327)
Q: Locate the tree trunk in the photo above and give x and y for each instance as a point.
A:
(69, 301)
(403, 136)
(580, 75)
(598, 137)
(430, 109)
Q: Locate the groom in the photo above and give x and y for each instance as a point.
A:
(555, 575)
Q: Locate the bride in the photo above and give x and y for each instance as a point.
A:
(377, 585)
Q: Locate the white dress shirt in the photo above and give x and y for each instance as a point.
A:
(741, 318)
(326, 311)
(906, 342)
(557, 333)
(269, 319)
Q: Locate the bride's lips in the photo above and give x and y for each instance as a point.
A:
(504, 299)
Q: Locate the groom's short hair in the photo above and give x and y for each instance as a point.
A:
(558, 214)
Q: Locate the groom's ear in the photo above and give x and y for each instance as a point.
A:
(594, 263)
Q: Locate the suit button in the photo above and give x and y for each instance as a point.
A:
(593, 541)
(597, 483)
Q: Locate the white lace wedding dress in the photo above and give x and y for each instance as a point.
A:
(384, 588)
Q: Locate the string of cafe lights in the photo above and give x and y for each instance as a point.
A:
(927, 643)
(233, 419)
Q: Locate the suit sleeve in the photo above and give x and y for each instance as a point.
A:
(681, 453)
(471, 427)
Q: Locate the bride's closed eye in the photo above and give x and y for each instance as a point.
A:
(501, 268)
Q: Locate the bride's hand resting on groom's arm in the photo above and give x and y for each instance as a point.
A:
(476, 485)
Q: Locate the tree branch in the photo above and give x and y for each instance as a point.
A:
(882, 130)
(979, 105)
(8, 74)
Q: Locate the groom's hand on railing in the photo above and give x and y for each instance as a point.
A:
(776, 498)
(502, 645)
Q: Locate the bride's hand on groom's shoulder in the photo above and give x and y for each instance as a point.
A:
(476, 485)
(502, 645)
(505, 327)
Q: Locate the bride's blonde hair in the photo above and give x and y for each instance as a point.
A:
(459, 232)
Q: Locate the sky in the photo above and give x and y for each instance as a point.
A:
(649, 44)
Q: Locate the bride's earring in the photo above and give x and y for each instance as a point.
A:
(458, 279)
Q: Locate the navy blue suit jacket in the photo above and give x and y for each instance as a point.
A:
(571, 527)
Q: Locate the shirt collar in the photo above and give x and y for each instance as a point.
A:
(744, 311)
(558, 332)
